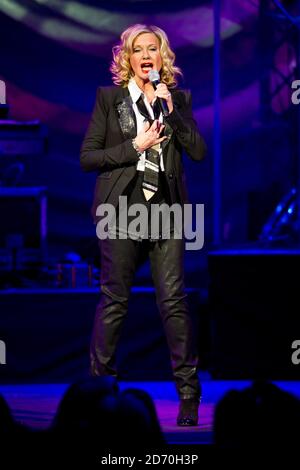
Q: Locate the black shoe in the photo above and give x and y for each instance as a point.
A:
(188, 412)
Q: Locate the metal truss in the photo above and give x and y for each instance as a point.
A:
(279, 42)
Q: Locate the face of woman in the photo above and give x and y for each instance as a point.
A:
(145, 56)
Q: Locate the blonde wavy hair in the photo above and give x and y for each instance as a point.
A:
(120, 66)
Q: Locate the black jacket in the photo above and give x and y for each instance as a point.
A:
(107, 146)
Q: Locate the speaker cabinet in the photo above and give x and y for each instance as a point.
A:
(254, 307)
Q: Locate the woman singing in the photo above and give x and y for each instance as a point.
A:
(135, 146)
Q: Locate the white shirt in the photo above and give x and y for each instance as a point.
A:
(135, 93)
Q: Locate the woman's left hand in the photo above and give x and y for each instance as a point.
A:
(163, 92)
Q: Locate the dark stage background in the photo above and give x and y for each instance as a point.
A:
(54, 55)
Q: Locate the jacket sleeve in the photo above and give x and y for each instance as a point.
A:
(93, 155)
(186, 130)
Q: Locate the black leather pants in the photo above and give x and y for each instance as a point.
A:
(119, 260)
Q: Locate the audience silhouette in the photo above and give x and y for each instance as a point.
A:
(261, 416)
(94, 416)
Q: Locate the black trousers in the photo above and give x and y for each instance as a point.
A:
(119, 261)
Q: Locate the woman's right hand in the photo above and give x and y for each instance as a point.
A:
(149, 135)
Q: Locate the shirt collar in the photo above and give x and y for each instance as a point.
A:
(134, 90)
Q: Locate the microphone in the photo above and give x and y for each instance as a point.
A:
(154, 78)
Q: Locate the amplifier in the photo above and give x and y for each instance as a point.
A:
(23, 234)
(22, 138)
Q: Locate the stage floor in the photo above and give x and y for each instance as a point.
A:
(35, 405)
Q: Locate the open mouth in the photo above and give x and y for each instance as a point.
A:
(146, 67)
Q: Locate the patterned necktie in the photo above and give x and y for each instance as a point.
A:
(151, 172)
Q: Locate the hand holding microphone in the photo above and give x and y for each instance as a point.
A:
(162, 93)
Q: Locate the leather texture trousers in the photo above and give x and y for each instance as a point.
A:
(119, 261)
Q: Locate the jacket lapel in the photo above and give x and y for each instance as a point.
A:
(126, 116)
(168, 129)
(167, 132)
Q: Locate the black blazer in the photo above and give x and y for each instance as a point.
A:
(107, 146)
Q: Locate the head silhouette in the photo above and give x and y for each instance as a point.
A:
(260, 416)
